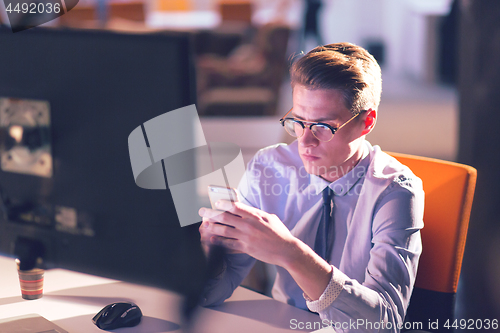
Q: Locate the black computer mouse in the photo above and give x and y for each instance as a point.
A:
(116, 315)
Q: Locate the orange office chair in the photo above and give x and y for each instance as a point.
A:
(449, 190)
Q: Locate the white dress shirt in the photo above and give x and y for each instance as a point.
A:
(377, 218)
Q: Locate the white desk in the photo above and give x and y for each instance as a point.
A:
(71, 300)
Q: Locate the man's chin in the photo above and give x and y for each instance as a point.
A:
(314, 169)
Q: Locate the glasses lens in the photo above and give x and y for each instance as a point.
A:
(321, 132)
(293, 128)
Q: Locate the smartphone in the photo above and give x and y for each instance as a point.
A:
(216, 193)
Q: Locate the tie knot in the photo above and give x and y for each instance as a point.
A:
(327, 195)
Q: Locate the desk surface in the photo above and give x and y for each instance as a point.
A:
(71, 300)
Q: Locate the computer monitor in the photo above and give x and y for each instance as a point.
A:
(68, 101)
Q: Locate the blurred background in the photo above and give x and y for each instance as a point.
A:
(441, 77)
(243, 50)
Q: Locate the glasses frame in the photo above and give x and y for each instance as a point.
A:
(304, 124)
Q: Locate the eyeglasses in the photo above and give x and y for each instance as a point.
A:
(321, 131)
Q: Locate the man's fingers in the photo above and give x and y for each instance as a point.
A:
(209, 213)
(223, 230)
(212, 215)
(233, 208)
(238, 208)
(208, 229)
(229, 243)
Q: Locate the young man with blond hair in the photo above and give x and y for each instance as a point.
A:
(339, 218)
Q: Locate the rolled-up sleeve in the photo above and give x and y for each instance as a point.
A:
(379, 303)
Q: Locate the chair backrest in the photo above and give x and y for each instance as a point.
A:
(449, 191)
(272, 40)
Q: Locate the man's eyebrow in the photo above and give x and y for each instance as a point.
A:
(315, 120)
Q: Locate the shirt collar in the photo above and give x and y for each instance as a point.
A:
(343, 185)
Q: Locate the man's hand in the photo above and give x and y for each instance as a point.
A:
(241, 228)
(208, 239)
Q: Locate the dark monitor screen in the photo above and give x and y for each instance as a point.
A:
(68, 191)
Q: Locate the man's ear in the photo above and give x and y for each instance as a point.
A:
(370, 121)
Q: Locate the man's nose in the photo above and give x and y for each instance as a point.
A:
(308, 138)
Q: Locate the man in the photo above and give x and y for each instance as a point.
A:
(339, 218)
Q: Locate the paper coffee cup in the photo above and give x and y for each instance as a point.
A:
(31, 282)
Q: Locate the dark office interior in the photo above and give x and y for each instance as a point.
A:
(441, 78)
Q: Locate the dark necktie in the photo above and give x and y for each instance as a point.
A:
(325, 234)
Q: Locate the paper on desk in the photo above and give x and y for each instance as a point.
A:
(31, 323)
(52, 309)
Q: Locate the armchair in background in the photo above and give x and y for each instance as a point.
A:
(85, 16)
(248, 80)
